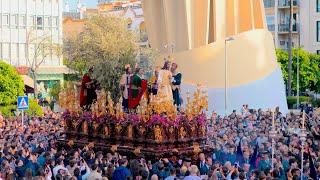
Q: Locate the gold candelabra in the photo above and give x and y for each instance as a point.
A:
(199, 103)
(195, 104)
(69, 99)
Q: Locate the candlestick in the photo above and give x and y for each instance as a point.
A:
(272, 118)
(303, 118)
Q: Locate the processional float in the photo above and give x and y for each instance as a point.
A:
(200, 31)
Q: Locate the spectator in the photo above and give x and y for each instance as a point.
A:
(122, 172)
(193, 173)
(173, 174)
(94, 173)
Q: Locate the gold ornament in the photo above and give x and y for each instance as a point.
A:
(158, 134)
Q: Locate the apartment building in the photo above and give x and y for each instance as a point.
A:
(310, 25)
(278, 18)
(306, 23)
(19, 19)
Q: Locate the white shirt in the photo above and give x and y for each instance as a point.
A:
(192, 178)
(57, 168)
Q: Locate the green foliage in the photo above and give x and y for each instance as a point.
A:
(291, 100)
(11, 86)
(55, 90)
(7, 111)
(107, 45)
(309, 69)
(315, 102)
(34, 108)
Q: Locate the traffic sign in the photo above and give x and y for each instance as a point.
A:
(23, 103)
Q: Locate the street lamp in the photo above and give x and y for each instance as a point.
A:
(303, 138)
(225, 74)
(272, 134)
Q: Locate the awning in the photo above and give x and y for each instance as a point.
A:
(28, 81)
(55, 70)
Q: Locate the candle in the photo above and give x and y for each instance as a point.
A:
(303, 118)
(273, 118)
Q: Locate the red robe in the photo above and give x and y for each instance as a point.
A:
(134, 102)
(84, 90)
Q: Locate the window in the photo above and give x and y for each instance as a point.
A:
(268, 3)
(22, 21)
(5, 20)
(32, 21)
(318, 5)
(14, 20)
(55, 21)
(282, 43)
(318, 51)
(39, 22)
(47, 21)
(270, 19)
(5, 51)
(318, 31)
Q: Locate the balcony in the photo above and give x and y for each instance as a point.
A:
(286, 3)
(268, 3)
(271, 27)
(284, 28)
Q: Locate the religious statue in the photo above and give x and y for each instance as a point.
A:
(164, 83)
(203, 130)
(193, 130)
(158, 134)
(88, 90)
(118, 129)
(85, 127)
(95, 127)
(176, 82)
(125, 85)
(74, 124)
(142, 130)
(106, 131)
(138, 87)
(182, 133)
(171, 133)
(130, 131)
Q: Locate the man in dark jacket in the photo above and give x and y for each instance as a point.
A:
(122, 172)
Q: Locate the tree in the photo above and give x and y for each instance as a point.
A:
(309, 69)
(34, 108)
(38, 49)
(107, 45)
(11, 86)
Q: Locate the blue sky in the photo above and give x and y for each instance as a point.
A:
(88, 3)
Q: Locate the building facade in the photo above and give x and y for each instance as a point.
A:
(306, 23)
(23, 23)
(310, 25)
(131, 10)
(278, 18)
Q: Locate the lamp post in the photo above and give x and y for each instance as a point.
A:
(225, 74)
(273, 134)
(303, 139)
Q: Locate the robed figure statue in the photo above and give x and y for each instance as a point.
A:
(88, 90)
(164, 83)
(176, 82)
(137, 88)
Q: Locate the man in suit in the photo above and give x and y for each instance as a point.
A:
(202, 165)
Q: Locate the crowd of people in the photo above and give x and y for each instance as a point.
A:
(241, 149)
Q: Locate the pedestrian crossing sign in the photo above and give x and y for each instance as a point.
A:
(23, 103)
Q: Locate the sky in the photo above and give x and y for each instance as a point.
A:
(88, 3)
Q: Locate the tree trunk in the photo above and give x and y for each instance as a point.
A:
(34, 76)
(290, 49)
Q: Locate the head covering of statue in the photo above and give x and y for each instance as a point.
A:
(166, 65)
